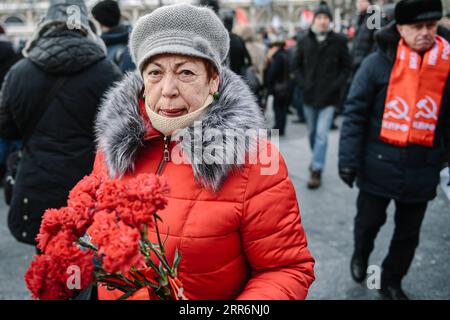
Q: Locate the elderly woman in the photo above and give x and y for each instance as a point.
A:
(238, 230)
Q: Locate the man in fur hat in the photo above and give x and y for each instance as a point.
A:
(396, 123)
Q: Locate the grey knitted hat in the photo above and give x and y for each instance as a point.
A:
(182, 29)
(73, 13)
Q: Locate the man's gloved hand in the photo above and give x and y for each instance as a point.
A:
(348, 175)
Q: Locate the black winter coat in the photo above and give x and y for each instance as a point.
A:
(363, 43)
(8, 57)
(278, 72)
(61, 149)
(406, 174)
(238, 57)
(322, 69)
(116, 41)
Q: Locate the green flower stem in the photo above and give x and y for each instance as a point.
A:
(108, 279)
(115, 286)
(147, 244)
(165, 264)
(127, 294)
(146, 282)
(163, 256)
(136, 282)
(86, 245)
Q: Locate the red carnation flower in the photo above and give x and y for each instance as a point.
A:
(88, 185)
(82, 199)
(48, 275)
(117, 243)
(77, 216)
(78, 219)
(38, 282)
(100, 230)
(113, 213)
(52, 223)
(146, 194)
(149, 187)
(111, 194)
(122, 251)
(62, 244)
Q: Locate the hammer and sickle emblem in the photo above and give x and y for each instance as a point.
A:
(424, 109)
(398, 109)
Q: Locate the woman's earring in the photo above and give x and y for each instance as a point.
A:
(216, 95)
(143, 97)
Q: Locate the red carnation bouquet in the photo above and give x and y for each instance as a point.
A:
(100, 238)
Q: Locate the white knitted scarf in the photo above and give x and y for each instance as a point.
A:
(167, 125)
(320, 36)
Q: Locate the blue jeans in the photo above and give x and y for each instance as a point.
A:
(319, 123)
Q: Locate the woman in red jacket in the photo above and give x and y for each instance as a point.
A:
(237, 224)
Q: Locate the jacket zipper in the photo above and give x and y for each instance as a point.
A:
(166, 155)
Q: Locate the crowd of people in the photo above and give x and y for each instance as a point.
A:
(390, 85)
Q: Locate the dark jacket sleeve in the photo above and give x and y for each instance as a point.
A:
(247, 57)
(8, 128)
(273, 73)
(357, 110)
(298, 63)
(126, 63)
(346, 65)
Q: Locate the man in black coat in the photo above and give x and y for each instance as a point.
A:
(8, 57)
(363, 43)
(323, 64)
(238, 56)
(61, 148)
(390, 169)
(278, 82)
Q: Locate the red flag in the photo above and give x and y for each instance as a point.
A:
(241, 16)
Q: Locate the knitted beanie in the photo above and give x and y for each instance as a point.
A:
(107, 13)
(180, 29)
(323, 8)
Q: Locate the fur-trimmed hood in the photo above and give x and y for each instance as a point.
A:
(120, 128)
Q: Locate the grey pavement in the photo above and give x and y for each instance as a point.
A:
(327, 215)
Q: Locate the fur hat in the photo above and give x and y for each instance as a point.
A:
(412, 11)
(181, 29)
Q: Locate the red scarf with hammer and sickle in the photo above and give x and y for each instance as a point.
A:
(414, 95)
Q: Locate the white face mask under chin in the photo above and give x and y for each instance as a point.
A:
(167, 125)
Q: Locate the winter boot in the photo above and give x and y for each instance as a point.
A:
(315, 180)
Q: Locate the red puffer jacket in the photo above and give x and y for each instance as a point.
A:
(238, 230)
